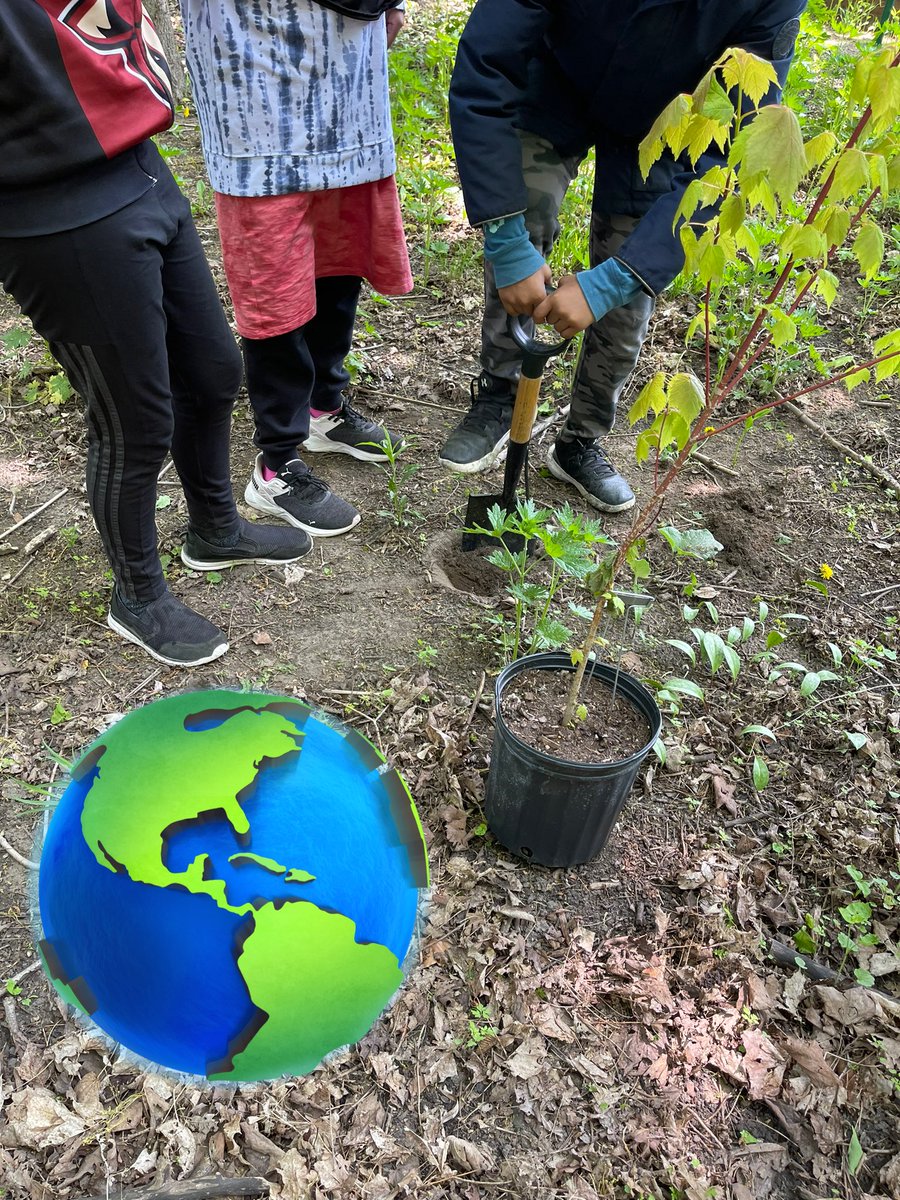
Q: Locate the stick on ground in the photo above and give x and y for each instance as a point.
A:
(194, 1189)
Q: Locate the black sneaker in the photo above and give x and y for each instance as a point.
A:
(483, 432)
(298, 497)
(266, 544)
(168, 630)
(347, 431)
(582, 463)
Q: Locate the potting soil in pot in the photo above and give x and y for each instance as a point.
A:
(533, 704)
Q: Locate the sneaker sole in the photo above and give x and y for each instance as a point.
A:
(557, 471)
(478, 464)
(127, 634)
(199, 564)
(316, 444)
(255, 500)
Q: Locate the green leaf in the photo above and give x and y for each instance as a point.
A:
(803, 941)
(864, 978)
(827, 286)
(711, 267)
(684, 687)
(819, 148)
(857, 377)
(884, 95)
(716, 103)
(850, 174)
(713, 649)
(652, 396)
(659, 749)
(163, 502)
(859, 83)
(784, 330)
(760, 773)
(856, 740)
(754, 76)
(748, 628)
(774, 151)
(732, 661)
(869, 248)
(691, 543)
(667, 129)
(684, 647)
(811, 681)
(59, 714)
(835, 224)
(857, 912)
(803, 241)
(760, 731)
(732, 213)
(685, 396)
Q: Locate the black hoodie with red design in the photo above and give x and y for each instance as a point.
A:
(83, 85)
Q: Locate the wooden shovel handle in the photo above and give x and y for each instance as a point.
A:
(525, 410)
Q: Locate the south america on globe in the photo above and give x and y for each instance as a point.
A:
(229, 885)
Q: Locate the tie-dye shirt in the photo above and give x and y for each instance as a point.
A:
(292, 97)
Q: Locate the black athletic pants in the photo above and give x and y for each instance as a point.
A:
(288, 374)
(132, 315)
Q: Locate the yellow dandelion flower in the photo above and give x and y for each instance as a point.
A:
(825, 571)
(710, 429)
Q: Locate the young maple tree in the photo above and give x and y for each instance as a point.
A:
(819, 195)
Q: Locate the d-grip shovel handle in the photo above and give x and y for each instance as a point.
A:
(525, 409)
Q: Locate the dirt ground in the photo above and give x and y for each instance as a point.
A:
(619, 1029)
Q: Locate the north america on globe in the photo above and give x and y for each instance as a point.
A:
(229, 885)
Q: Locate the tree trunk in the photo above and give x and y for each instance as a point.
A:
(161, 16)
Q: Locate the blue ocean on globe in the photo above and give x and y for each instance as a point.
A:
(329, 874)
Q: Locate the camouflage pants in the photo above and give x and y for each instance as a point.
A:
(610, 347)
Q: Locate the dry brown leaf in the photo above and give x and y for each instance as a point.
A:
(858, 1007)
(722, 790)
(39, 1119)
(455, 826)
(180, 1143)
(810, 1057)
(763, 1065)
(298, 1182)
(87, 1097)
(890, 1176)
(551, 1022)
(528, 1060)
(468, 1156)
(261, 638)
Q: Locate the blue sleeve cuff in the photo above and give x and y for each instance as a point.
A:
(608, 286)
(510, 251)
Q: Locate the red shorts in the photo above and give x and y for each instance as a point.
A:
(275, 247)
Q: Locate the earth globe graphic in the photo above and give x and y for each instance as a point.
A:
(230, 884)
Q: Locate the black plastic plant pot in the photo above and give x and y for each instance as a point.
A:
(549, 810)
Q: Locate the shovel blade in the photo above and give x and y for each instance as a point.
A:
(477, 514)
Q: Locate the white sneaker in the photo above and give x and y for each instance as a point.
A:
(298, 497)
(346, 431)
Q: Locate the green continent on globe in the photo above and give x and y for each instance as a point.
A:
(175, 773)
(260, 860)
(316, 986)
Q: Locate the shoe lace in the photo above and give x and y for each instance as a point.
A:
(299, 480)
(356, 419)
(594, 458)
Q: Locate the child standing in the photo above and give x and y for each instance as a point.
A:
(296, 127)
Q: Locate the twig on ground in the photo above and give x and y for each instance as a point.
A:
(878, 472)
(373, 391)
(37, 512)
(478, 694)
(8, 548)
(787, 956)
(39, 539)
(25, 971)
(714, 465)
(194, 1189)
(14, 854)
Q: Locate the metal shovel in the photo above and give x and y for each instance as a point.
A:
(534, 359)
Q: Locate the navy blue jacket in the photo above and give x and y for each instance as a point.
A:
(585, 73)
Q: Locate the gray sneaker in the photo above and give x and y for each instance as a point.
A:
(168, 630)
(268, 545)
(347, 431)
(298, 497)
(588, 468)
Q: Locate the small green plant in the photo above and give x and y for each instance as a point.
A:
(427, 655)
(399, 474)
(480, 1025)
(560, 539)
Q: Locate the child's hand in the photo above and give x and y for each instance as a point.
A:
(524, 296)
(565, 309)
(395, 19)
